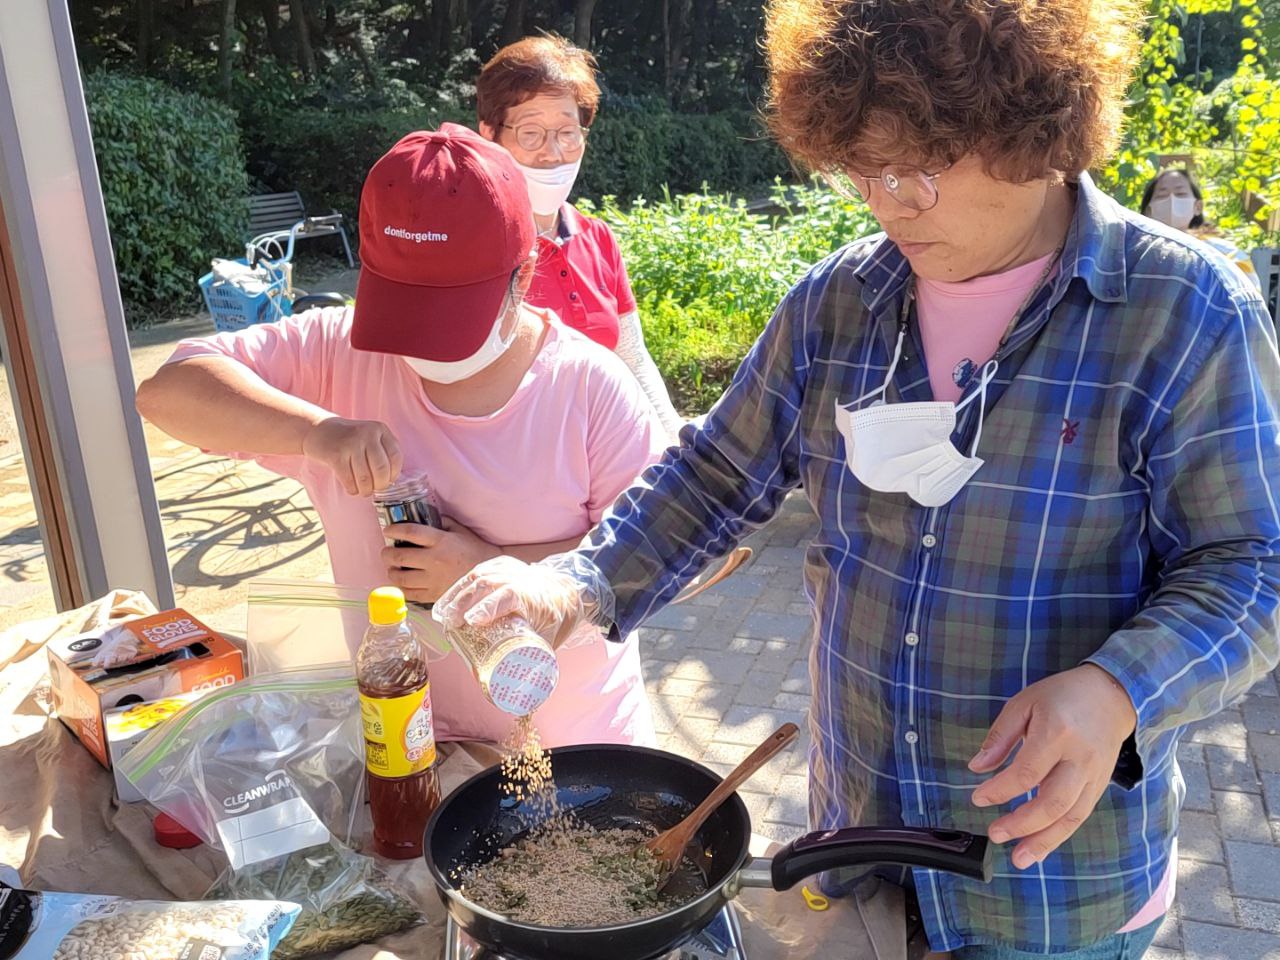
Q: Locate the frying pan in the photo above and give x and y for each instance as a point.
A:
(624, 786)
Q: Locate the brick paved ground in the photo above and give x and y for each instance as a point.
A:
(723, 670)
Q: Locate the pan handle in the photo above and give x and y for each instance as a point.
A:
(954, 851)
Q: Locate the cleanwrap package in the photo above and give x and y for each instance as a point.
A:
(306, 623)
(72, 926)
(271, 772)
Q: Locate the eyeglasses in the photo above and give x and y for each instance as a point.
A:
(910, 186)
(532, 136)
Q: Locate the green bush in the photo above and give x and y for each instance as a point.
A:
(697, 347)
(708, 274)
(636, 147)
(326, 153)
(173, 180)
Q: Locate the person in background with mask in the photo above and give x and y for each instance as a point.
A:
(1041, 438)
(538, 98)
(1175, 199)
(525, 429)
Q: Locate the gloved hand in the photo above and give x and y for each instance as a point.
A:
(556, 596)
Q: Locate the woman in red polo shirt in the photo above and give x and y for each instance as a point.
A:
(537, 98)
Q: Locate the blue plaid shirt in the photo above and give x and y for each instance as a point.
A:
(1126, 514)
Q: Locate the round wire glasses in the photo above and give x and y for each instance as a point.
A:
(910, 186)
(532, 136)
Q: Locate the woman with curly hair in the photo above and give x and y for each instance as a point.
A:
(1041, 436)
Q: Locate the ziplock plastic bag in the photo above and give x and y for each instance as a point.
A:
(75, 926)
(271, 772)
(345, 898)
(305, 623)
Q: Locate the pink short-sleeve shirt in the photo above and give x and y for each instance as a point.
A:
(544, 467)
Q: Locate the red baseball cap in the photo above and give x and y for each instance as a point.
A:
(444, 221)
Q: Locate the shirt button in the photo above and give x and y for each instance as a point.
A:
(912, 639)
(912, 737)
(564, 273)
(929, 541)
(573, 296)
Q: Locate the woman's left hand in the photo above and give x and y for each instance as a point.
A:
(1071, 727)
(438, 560)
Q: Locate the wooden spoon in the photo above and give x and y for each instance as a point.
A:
(669, 846)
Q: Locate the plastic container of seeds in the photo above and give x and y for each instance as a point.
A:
(514, 666)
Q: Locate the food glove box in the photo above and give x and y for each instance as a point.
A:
(125, 726)
(146, 659)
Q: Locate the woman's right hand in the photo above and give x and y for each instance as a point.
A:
(549, 600)
(363, 454)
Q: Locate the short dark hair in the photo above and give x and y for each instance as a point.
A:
(535, 65)
(1196, 221)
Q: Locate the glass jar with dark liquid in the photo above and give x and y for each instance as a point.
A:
(408, 500)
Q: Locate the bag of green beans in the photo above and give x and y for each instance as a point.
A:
(271, 772)
(345, 899)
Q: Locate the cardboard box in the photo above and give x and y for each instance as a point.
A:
(125, 726)
(145, 659)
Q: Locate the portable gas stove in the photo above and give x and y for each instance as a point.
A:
(721, 939)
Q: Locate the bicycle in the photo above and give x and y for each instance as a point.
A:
(258, 287)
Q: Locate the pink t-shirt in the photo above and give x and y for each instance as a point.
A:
(544, 467)
(961, 325)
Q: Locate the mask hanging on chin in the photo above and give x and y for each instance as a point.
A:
(549, 187)
(452, 371)
(1177, 212)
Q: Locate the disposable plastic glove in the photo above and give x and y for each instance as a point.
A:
(557, 596)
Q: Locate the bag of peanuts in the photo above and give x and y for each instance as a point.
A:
(72, 926)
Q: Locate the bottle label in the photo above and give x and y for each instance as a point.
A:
(522, 679)
(398, 739)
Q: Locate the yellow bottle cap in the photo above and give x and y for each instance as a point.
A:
(386, 606)
(816, 901)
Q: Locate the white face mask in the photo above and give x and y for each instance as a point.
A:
(451, 371)
(1175, 211)
(549, 186)
(906, 447)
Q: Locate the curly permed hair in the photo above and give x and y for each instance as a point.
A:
(1031, 86)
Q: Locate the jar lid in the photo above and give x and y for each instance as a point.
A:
(523, 679)
(406, 487)
(170, 833)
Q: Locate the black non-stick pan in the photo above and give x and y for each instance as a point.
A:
(619, 786)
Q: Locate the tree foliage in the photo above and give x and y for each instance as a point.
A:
(321, 87)
(173, 182)
(1228, 125)
(696, 54)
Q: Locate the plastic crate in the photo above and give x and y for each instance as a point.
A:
(233, 309)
